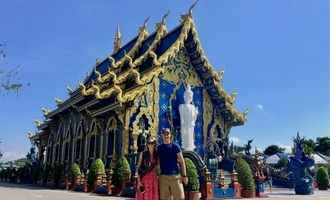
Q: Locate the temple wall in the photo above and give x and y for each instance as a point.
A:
(178, 72)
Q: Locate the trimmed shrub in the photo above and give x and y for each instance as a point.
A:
(322, 178)
(75, 170)
(192, 174)
(244, 174)
(121, 172)
(97, 167)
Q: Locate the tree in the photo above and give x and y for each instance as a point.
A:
(9, 79)
(323, 145)
(309, 146)
(273, 149)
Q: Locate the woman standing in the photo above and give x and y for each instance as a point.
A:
(147, 184)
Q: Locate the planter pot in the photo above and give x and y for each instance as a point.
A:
(248, 193)
(115, 191)
(194, 195)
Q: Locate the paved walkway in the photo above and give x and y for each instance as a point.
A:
(289, 194)
(26, 192)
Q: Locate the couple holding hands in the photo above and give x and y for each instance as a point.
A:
(172, 166)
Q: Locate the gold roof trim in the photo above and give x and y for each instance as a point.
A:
(143, 33)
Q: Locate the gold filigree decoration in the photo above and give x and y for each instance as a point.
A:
(146, 112)
(207, 113)
(179, 69)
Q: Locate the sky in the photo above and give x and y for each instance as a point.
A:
(275, 53)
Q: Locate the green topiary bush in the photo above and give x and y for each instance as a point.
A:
(75, 170)
(121, 171)
(322, 178)
(244, 174)
(97, 167)
(192, 174)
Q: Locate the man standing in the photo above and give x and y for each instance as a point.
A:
(170, 157)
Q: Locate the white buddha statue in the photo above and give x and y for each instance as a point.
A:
(188, 116)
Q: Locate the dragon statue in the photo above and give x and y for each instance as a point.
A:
(298, 165)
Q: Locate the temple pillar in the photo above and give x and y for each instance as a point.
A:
(101, 144)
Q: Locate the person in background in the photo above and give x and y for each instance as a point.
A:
(170, 158)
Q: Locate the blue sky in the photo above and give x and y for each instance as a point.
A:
(276, 55)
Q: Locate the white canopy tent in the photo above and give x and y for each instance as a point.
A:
(273, 159)
(318, 159)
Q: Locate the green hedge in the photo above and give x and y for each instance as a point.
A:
(192, 174)
(121, 171)
(244, 174)
(97, 167)
(322, 178)
(75, 170)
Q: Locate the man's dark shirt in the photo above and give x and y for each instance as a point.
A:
(167, 154)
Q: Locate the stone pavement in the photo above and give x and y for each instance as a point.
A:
(26, 192)
(289, 194)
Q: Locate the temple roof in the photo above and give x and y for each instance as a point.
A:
(155, 49)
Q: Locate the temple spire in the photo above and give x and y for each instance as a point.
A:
(117, 40)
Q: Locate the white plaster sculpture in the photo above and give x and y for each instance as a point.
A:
(188, 116)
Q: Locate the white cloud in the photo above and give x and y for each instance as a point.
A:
(235, 140)
(260, 107)
(8, 156)
(287, 148)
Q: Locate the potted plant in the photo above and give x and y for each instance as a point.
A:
(96, 172)
(192, 188)
(245, 178)
(121, 174)
(322, 178)
(75, 174)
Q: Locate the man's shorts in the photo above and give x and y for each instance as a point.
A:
(170, 185)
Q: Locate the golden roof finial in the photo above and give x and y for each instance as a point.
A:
(145, 22)
(37, 122)
(191, 8)
(29, 135)
(143, 28)
(233, 95)
(245, 113)
(69, 89)
(117, 41)
(45, 110)
(58, 101)
(165, 16)
(97, 61)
